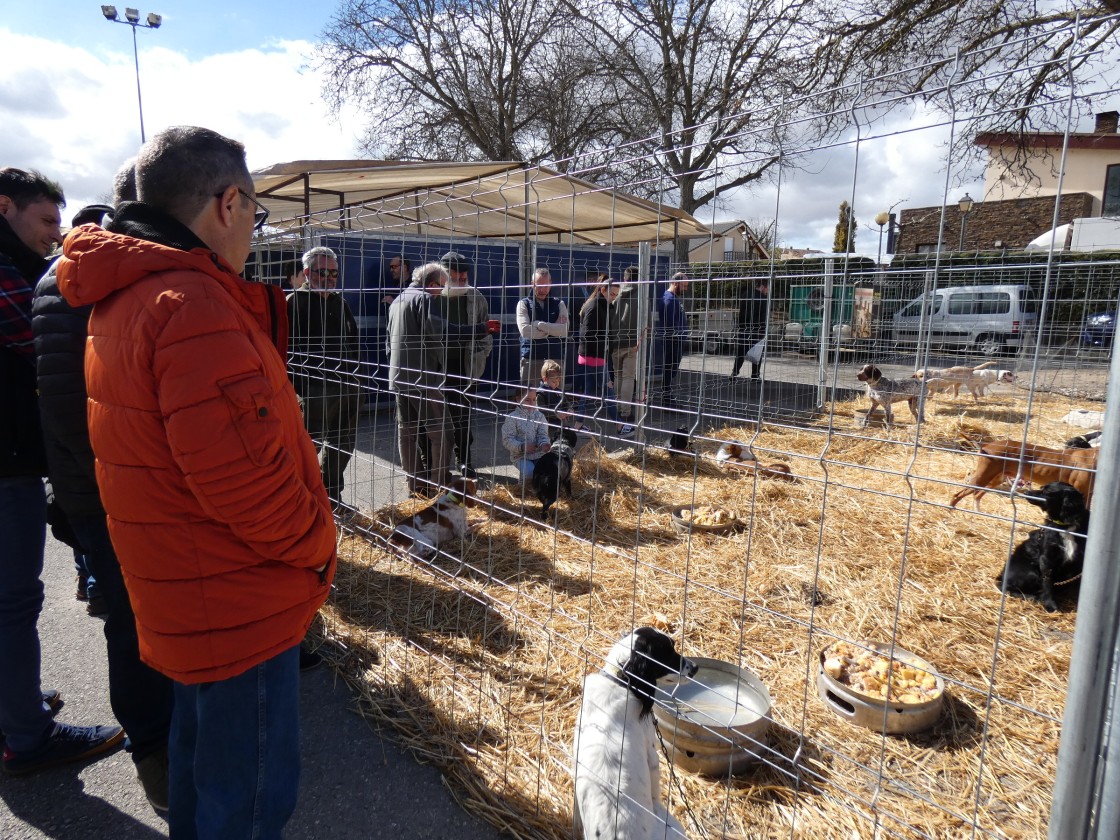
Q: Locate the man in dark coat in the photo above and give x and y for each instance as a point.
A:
(750, 327)
(325, 362)
(29, 230)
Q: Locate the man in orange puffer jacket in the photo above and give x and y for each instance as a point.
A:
(212, 488)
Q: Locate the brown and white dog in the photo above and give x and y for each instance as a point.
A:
(883, 391)
(999, 462)
(976, 379)
(738, 456)
(445, 519)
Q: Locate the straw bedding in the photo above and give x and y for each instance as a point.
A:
(477, 657)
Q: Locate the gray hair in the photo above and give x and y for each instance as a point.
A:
(124, 182)
(183, 167)
(428, 272)
(540, 272)
(310, 256)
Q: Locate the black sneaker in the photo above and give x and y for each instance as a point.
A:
(151, 770)
(96, 605)
(66, 743)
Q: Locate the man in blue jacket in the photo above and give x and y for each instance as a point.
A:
(670, 335)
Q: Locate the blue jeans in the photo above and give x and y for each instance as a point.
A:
(24, 718)
(525, 466)
(234, 753)
(140, 696)
(593, 386)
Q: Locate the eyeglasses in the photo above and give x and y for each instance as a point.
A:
(260, 215)
(326, 272)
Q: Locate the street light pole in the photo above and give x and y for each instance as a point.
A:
(132, 18)
(881, 220)
(964, 204)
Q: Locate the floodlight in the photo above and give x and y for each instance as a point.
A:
(132, 15)
(154, 20)
(110, 12)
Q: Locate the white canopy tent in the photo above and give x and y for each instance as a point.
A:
(483, 200)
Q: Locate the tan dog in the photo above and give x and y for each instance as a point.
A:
(445, 519)
(738, 456)
(999, 462)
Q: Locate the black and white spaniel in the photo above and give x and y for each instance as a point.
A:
(617, 771)
(1053, 554)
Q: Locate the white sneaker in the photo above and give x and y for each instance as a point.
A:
(626, 430)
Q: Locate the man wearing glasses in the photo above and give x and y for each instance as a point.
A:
(325, 359)
(211, 486)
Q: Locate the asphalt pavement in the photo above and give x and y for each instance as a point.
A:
(356, 782)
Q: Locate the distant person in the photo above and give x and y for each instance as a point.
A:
(416, 351)
(670, 335)
(525, 434)
(750, 328)
(594, 346)
(466, 308)
(542, 323)
(141, 697)
(400, 275)
(625, 337)
(30, 216)
(291, 275)
(215, 501)
(325, 364)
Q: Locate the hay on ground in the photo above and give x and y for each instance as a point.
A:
(477, 657)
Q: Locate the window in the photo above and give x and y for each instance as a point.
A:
(962, 303)
(1111, 205)
(993, 303)
(914, 310)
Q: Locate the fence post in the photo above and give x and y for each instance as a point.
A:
(1084, 804)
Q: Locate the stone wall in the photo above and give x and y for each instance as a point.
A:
(991, 225)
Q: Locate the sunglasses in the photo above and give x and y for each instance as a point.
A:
(326, 272)
(260, 215)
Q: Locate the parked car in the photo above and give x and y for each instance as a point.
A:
(1098, 328)
(985, 319)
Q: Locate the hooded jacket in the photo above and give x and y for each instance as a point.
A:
(211, 486)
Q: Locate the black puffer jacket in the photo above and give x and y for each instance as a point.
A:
(60, 346)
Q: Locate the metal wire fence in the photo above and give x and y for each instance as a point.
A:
(843, 531)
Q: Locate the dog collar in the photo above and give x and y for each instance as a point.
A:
(452, 498)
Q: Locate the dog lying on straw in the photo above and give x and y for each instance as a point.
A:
(617, 771)
(445, 519)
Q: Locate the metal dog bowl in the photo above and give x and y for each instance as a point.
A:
(684, 526)
(714, 722)
(894, 717)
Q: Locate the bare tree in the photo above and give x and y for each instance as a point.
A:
(465, 79)
(1008, 65)
(710, 78)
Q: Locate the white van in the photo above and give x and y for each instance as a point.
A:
(985, 319)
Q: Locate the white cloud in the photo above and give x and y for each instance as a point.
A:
(75, 118)
(901, 163)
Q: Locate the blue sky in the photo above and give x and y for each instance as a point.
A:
(195, 28)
